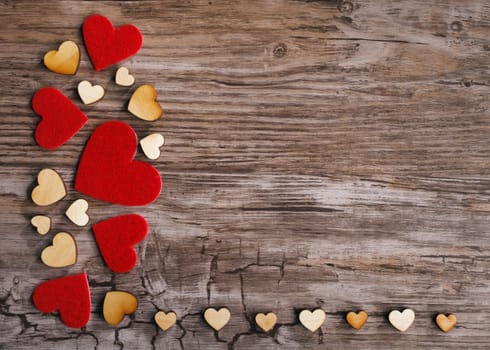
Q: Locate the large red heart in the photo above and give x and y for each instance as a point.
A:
(107, 45)
(61, 119)
(108, 172)
(116, 238)
(68, 295)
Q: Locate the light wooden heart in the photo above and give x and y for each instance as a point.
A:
(51, 188)
(62, 253)
(446, 323)
(165, 320)
(90, 93)
(357, 320)
(41, 223)
(402, 320)
(312, 320)
(123, 78)
(77, 212)
(151, 145)
(217, 319)
(266, 322)
(65, 60)
(117, 304)
(143, 103)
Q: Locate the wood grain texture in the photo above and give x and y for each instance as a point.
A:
(318, 154)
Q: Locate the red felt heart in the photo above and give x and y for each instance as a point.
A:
(107, 170)
(116, 238)
(68, 295)
(61, 118)
(107, 45)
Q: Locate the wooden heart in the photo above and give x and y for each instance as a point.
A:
(77, 212)
(312, 320)
(65, 60)
(123, 78)
(117, 304)
(266, 322)
(51, 188)
(143, 103)
(62, 253)
(151, 145)
(41, 223)
(90, 93)
(217, 319)
(402, 320)
(165, 320)
(357, 320)
(446, 323)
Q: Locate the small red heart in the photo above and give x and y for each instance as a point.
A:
(107, 45)
(116, 238)
(108, 172)
(61, 118)
(68, 295)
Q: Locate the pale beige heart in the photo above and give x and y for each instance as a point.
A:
(117, 304)
(65, 60)
(165, 320)
(151, 145)
(77, 212)
(51, 188)
(357, 320)
(446, 323)
(266, 322)
(312, 320)
(401, 320)
(41, 223)
(123, 78)
(90, 93)
(143, 103)
(62, 253)
(217, 319)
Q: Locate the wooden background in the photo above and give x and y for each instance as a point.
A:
(318, 154)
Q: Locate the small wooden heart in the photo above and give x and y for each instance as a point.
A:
(356, 320)
(123, 78)
(402, 320)
(151, 145)
(90, 93)
(117, 304)
(266, 322)
(62, 253)
(165, 320)
(217, 319)
(77, 212)
(312, 320)
(41, 223)
(65, 60)
(51, 188)
(143, 103)
(446, 323)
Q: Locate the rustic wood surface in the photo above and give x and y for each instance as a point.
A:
(318, 154)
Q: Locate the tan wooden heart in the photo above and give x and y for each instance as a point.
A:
(357, 320)
(266, 322)
(123, 78)
(77, 212)
(151, 145)
(165, 320)
(65, 60)
(117, 304)
(51, 188)
(143, 103)
(446, 323)
(62, 253)
(217, 319)
(402, 320)
(312, 320)
(90, 93)
(41, 223)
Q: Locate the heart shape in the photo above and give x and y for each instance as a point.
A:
(446, 323)
(165, 320)
(61, 119)
(266, 322)
(402, 320)
(115, 238)
(90, 93)
(312, 320)
(107, 45)
(41, 223)
(68, 295)
(65, 60)
(123, 78)
(77, 212)
(151, 145)
(62, 253)
(357, 320)
(51, 188)
(118, 304)
(107, 170)
(217, 319)
(143, 103)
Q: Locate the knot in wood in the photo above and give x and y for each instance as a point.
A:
(280, 50)
(457, 26)
(346, 7)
